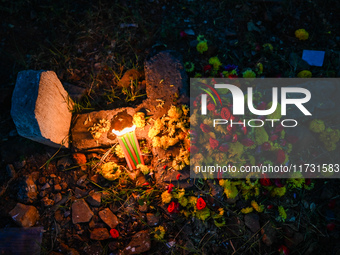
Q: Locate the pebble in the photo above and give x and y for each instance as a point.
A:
(24, 215)
(108, 217)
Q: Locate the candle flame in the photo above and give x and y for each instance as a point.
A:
(124, 131)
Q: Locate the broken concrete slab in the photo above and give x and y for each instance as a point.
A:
(82, 138)
(41, 108)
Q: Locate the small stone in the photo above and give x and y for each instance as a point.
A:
(57, 198)
(100, 234)
(82, 181)
(58, 215)
(24, 215)
(27, 190)
(46, 186)
(81, 212)
(268, 234)
(42, 193)
(140, 243)
(79, 193)
(94, 249)
(47, 202)
(113, 245)
(252, 222)
(64, 163)
(108, 217)
(79, 158)
(63, 185)
(143, 208)
(152, 219)
(94, 199)
(42, 180)
(57, 188)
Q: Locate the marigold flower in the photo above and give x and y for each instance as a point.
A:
(317, 126)
(247, 210)
(207, 69)
(247, 142)
(256, 206)
(215, 62)
(200, 204)
(202, 46)
(265, 181)
(224, 147)
(173, 207)
(266, 146)
(166, 197)
(170, 187)
(211, 107)
(213, 143)
(114, 233)
(305, 74)
(280, 156)
(282, 213)
(159, 233)
(248, 74)
(274, 137)
(205, 128)
(225, 113)
(301, 34)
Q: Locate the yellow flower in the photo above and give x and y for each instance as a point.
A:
(119, 151)
(166, 197)
(268, 46)
(143, 168)
(278, 191)
(139, 119)
(220, 211)
(282, 213)
(256, 206)
(317, 126)
(248, 74)
(202, 46)
(110, 171)
(215, 62)
(203, 214)
(229, 188)
(301, 34)
(304, 74)
(259, 67)
(247, 210)
(175, 112)
(159, 233)
(183, 201)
